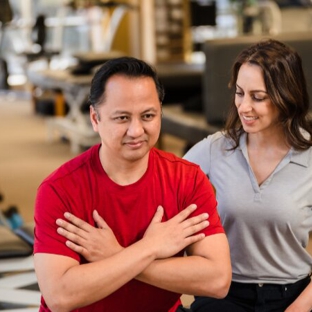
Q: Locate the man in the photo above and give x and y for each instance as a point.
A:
(112, 224)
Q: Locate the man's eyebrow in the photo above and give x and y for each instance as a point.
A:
(151, 109)
(120, 112)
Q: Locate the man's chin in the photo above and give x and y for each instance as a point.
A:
(136, 154)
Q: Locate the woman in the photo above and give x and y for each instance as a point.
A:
(261, 167)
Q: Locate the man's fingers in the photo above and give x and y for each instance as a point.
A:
(195, 224)
(194, 238)
(197, 219)
(77, 222)
(185, 213)
(191, 230)
(99, 220)
(75, 247)
(158, 215)
(70, 231)
(76, 238)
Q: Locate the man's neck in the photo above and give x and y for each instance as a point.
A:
(124, 172)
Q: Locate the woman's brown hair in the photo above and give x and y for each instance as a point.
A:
(286, 86)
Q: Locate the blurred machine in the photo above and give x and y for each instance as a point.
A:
(203, 15)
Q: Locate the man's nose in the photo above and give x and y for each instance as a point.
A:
(135, 128)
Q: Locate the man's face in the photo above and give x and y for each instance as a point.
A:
(129, 119)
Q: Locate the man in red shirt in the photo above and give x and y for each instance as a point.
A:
(113, 224)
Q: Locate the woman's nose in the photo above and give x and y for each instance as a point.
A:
(245, 104)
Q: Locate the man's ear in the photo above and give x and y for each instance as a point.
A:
(94, 117)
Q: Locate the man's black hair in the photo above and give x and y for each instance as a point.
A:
(127, 66)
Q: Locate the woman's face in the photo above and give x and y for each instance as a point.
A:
(255, 109)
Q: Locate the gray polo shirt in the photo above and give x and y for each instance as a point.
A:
(268, 225)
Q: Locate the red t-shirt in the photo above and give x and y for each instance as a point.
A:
(81, 185)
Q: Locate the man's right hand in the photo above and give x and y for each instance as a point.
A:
(93, 243)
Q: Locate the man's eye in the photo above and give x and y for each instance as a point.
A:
(121, 118)
(148, 116)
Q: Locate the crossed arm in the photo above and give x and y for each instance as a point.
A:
(206, 271)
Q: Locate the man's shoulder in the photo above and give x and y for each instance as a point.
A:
(170, 158)
(170, 165)
(73, 166)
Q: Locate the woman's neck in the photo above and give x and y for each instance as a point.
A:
(273, 140)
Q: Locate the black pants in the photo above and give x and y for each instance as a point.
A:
(182, 309)
(253, 298)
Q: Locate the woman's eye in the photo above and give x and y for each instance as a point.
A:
(258, 99)
(239, 93)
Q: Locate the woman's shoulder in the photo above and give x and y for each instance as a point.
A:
(200, 152)
(217, 140)
(217, 137)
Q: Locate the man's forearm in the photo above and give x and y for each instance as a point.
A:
(206, 271)
(73, 285)
(193, 275)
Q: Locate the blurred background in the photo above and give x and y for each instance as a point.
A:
(155, 30)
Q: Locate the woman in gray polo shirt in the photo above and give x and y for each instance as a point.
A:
(261, 168)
